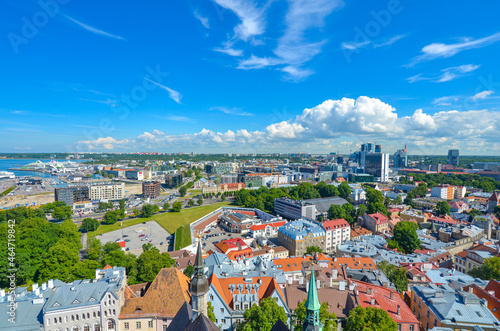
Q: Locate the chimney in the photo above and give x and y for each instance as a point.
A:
(357, 292)
(368, 291)
(34, 286)
(318, 284)
(399, 308)
(44, 286)
(391, 295)
(470, 289)
(37, 291)
(372, 301)
(307, 287)
(51, 283)
(331, 281)
(2, 293)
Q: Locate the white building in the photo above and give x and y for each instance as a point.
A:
(266, 230)
(107, 191)
(337, 232)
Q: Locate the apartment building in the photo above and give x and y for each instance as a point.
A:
(474, 257)
(107, 192)
(72, 195)
(173, 180)
(336, 233)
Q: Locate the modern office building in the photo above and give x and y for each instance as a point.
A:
(151, 190)
(72, 195)
(400, 159)
(107, 192)
(376, 164)
(311, 208)
(454, 157)
(173, 180)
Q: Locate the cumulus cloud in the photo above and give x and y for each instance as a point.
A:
(335, 123)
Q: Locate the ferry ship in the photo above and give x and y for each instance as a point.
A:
(7, 174)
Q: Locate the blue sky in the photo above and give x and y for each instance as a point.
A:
(249, 76)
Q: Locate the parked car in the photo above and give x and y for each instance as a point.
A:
(143, 239)
(142, 235)
(127, 240)
(125, 235)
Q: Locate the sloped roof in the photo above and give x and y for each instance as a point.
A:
(163, 298)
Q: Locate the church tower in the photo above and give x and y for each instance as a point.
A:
(312, 322)
(199, 286)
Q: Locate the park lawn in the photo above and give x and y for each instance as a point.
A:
(169, 221)
(182, 237)
(192, 193)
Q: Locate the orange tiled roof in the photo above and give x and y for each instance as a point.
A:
(265, 290)
(263, 226)
(292, 264)
(492, 299)
(335, 224)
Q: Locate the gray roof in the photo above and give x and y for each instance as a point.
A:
(457, 308)
(323, 204)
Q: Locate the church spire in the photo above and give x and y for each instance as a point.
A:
(199, 285)
(312, 322)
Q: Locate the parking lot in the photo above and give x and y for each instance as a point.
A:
(137, 235)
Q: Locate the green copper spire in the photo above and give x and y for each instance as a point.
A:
(312, 306)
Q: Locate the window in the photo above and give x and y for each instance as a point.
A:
(479, 314)
(427, 328)
(86, 327)
(150, 324)
(399, 327)
(412, 327)
(137, 325)
(435, 322)
(211, 297)
(427, 314)
(237, 306)
(222, 310)
(459, 312)
(60, 319)
(126, 326)
(97, 327)
(223, 321)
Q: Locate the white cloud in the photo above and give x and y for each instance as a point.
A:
(446, 75)
(351, 45)
(228, 49)
(174, 95)
(389, 42)
(92, 29)
(333, 122)
(444, 101)
(482, 95)
(441, 50)
(231, 111)
(203, 20)
(252, 17)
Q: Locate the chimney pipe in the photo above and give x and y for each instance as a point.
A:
(399, 309)
(392, 295)
(368, 291)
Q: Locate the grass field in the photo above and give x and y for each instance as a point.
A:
(169, 221)
(192, 193)
(182, 237)
(7, 191)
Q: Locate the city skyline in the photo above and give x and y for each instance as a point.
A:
(249, 77)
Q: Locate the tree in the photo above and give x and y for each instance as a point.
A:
(122, 205)
(210, 312)
(147, 211)
(102, 206)
(369, 319)
(344, 190)
(328, 320)
(136, 212)
(183, 191)
(166, 206)
(62, 213)
(177, 206)
(84, 270)
(373, 196)
(200, 201)
(223, 197)
(406, 237)
(150, 262)
(442, 208)
(376, 207)
(111, 217)
(262, 317)
(190, 203)
(349, 212)
(58, 262)
(156, 209)
(489, 270)
(89, 224)
(335, 212)
(189, 271)
(361, 210)
(311, 250)
(473, 213)
(396, 275)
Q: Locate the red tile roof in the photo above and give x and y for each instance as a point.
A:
(379, 218)
(263, 226)
(335, 224)
(383, 301)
